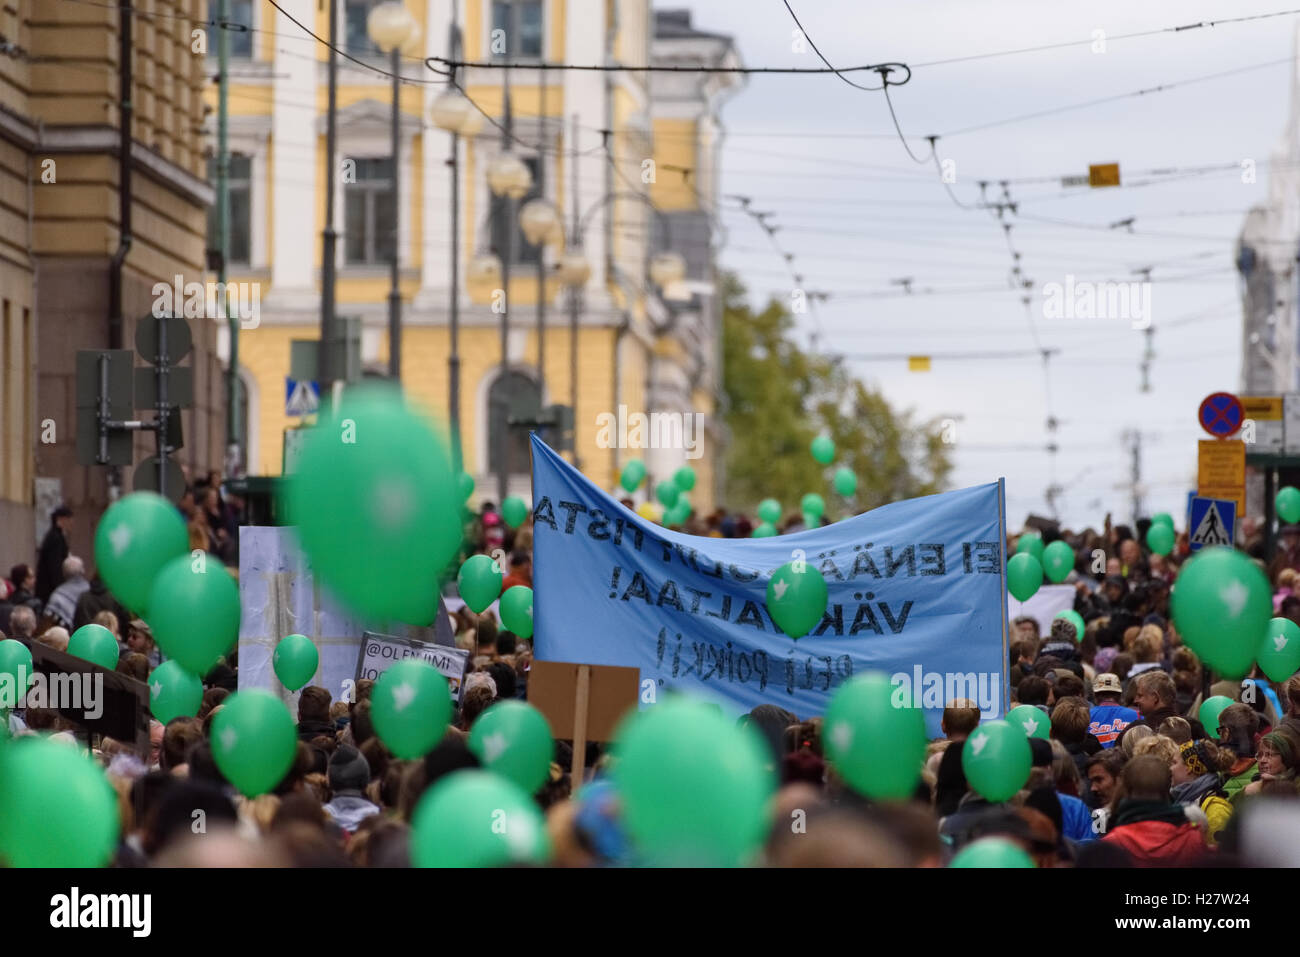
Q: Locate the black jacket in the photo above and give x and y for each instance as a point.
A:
(96, 599)
(49, 563)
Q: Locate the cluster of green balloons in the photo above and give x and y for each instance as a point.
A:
(254, 740)
(410, 706)
(1221, 607)
(513, 739)
(1288, 504)
(376, 505)
(479, 582)
(796, 598)
(477, 819)
(295, 661)
(517, 610)
(1030, 543)
(135, 538)
(997, 759)
(57, 808)
(876, 747)
(694, 785)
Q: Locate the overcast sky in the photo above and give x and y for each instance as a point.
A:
(857, 213)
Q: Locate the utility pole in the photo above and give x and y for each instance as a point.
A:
(234, 458)
(507, 254)
(325, 364)
(1133, 438)
(574, 291)
(453, 361)
(1148, 334)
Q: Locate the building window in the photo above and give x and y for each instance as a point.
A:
(241, 193)
(241, 41)
(369, 211)
(516, 29)
(356, 40)
(503, 224)
(512, 394)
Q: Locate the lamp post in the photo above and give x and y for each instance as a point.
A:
(540, 223)
(509, 180)
(393, 30)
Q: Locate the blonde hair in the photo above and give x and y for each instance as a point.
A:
(109, 621)
(1166, 749)
(1286, 578)
(1148, 644)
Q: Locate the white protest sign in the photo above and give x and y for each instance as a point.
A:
(1042, 606)
(381, 652)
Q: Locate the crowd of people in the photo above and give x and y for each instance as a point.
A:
(1127, 775)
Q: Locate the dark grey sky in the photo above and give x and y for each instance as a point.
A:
(858, 213)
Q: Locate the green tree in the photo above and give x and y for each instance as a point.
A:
(778, 398)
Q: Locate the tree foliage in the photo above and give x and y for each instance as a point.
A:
(779, 398)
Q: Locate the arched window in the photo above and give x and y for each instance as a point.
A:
(512, 395)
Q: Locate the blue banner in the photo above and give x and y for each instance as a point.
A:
(916, 588)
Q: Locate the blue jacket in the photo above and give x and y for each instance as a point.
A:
(1076, 819)
(1108, 720)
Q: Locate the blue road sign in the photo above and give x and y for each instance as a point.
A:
(301, 397)
(1220, 414)
(1213, 522)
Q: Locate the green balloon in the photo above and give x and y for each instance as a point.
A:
(997, 760)
(57, 808)
(679, 513)
(769, 510)
(295, 661)
(1209, 713)
(15, 671)
(517, 610)
(410, 706)
(796, 599)
(1221, 606)
(811, 521)
(763, 530)
(1288, 504)
(195, 612)
(1163, 518)
(633, 475)
(694, 785)
(477, 819)
(515, 511)
(1032, 543)
(1074, 618)
(376, 506)
(823, 449)
(96, 644)
(992, 852)
(465, 485)
(877, 748)
(135, 538)
(1278, 655)
(667, 493)
(845, 482)
(174, 692)
(1160, 538)
(254, 740)
(1058, 561)
(684, 478)
(813, 504)
(1024, 576)
(479, 582)
(513, 739)
(1031, 720)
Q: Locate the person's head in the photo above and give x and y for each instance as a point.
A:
(1103, 770)
(1026, 650)
(1163, 748)
(507, 643)
(487, 636)
(1130, 553)
(1237, 726)
(211, 699)
(960, 718)
(1065, 773)
(1122, 664)
(1068, 685)
(1027, 628)
(134, 665)
(1176, 729)
(1153, 691)
(109, 620)
(22, 622)
(1286, 578)
(1148, 645)
(361, 725)
(520, 562)
(61, 518)
(1033, 690)
(473, 703)
(314, 705)
(179, 735)
(1199, 757)
(1106, 688)
(1114, 588)
(56, 637)
(505, 678)
(22, 578)
(1277, 753)
(348, 770)
(73, 567)
(1070, 719)
(770, 722)
(1147, 778)
(139, 637)
(1292, 691)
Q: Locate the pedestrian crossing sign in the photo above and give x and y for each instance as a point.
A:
(301, 397)
(1213, 522)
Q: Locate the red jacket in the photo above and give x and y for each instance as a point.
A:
(1157, 841)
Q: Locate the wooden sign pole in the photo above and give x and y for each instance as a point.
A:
(580, 703)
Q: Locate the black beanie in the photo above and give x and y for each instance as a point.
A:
(1042, 752)
(348, 769)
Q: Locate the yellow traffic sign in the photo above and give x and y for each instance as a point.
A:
(918, 363)
(1221, 471)
(1103, 174)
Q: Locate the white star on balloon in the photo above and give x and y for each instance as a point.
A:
(1279, 642)
(977, 743)
(156, 688)
(120, 538)
(842, 736)
(519, 835)
(403, 695)
(228, 738)
(780, 587)
(1030, 726)
(392, 502)
(494, 745)
(1234, 595)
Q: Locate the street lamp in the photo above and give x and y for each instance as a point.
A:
(392, 29)
(539, 221)
(508, 175)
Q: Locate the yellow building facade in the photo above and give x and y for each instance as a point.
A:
(595, 143)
